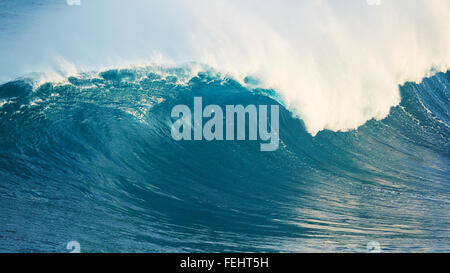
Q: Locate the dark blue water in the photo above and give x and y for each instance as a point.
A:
(93, 160)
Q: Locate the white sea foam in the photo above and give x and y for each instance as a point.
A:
(337, 64)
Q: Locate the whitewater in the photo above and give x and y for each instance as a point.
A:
(87, 155)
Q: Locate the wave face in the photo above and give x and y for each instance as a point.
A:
(93, 160)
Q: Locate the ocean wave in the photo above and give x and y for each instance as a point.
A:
(91, 158)
(335, 65)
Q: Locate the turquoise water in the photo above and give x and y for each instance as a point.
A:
(92, 160)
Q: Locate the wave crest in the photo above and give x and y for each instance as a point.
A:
(336, 65)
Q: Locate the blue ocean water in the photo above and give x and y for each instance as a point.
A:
(91, 159)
